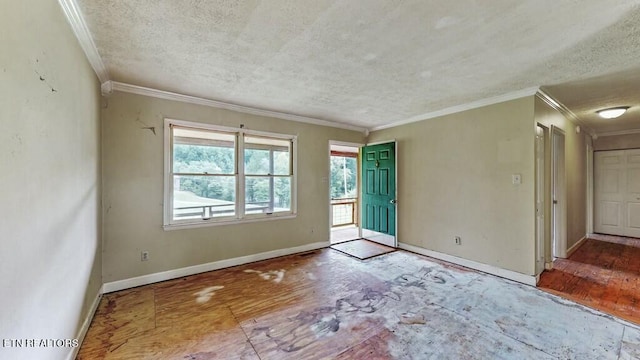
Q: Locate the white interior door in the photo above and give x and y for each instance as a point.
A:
(590, 190)
(632, 198)
(617, 192)
(558, 194)
(609, 195)
(540, 203)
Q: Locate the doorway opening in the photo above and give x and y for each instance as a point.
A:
(362, 188)
(344, 192)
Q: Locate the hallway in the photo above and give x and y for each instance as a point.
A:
(604, 274)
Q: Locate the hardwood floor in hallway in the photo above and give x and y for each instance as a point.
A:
(604, 273)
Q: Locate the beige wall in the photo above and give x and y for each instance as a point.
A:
(618, 142)
(133, 190)
(454, 178)
(50, 261)
(575, 172)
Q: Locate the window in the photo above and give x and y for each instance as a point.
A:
(217, 175)
(267, 168)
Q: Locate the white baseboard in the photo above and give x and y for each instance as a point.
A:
(196, 269)
(489, 269)
(82, 332)
(576, 246)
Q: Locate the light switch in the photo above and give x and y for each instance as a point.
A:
(516, 179)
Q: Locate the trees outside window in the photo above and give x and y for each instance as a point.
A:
(344, 176)
(226, 174)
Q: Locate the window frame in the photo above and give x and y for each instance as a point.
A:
(239, 217)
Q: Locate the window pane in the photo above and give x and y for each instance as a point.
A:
(203, 152)
(343, 177)
(267, 156)
(256, 162)
(281, 163)
(282, 201)
(202, 197)
(267, 194)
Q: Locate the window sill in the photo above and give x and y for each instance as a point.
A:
(207, 223)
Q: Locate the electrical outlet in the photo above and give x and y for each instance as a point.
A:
(458, 240)
(144, 256)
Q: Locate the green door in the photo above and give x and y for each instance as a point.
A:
(379, 193)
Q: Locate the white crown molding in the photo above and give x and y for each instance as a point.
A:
(621, 132)
(463, 107)
(80, 29)
(106, 88)
(551, 101)
(110, 86)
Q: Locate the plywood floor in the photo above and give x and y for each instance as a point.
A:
(604, 273)
(324, 305)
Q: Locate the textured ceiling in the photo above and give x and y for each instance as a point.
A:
(374, 62)
(584, 97)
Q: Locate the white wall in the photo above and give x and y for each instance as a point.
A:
(133, 190)
(50, 261)
(454, 179)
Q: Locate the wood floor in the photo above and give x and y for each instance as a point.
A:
(325, 305)
(604, 273)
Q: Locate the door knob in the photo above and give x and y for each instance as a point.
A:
(393, 201)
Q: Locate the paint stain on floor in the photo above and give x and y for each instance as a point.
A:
(206, 294)
(272, 275)
(398, 306)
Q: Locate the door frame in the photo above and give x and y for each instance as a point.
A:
(590, 182)
(541, 169)
(327, 180)
(558, 194)
(395, 154)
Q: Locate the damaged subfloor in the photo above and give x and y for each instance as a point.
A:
(324, 305)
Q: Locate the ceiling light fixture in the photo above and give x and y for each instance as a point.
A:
(612, 113)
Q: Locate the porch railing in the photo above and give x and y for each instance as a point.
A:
(344, 211)
(208, 211)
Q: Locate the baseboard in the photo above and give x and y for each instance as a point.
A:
(196, 269)
(489, 269)
(575, 246)
(82, 332)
